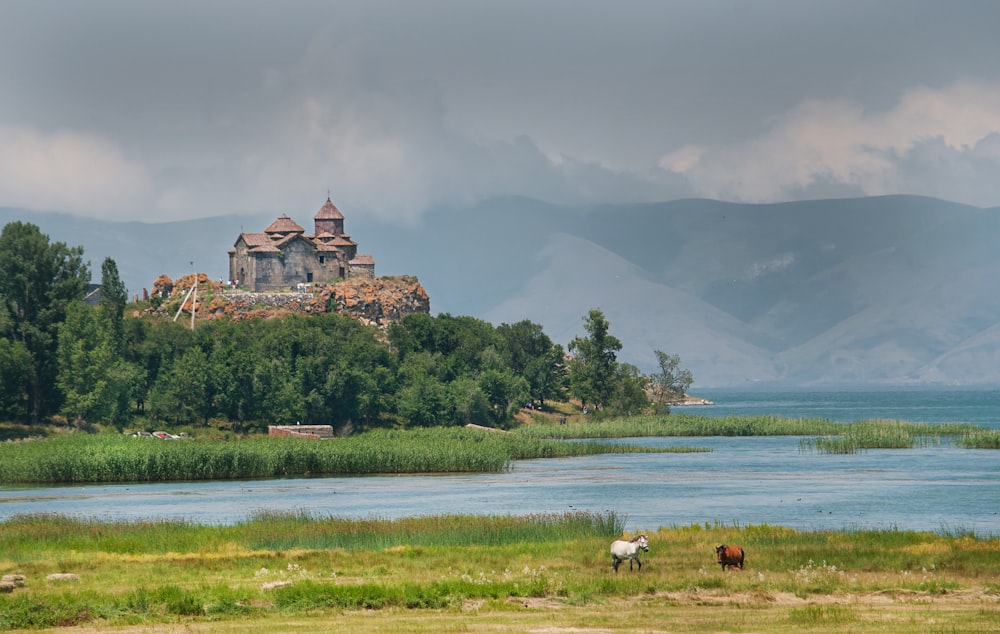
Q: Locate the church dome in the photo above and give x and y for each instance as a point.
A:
(284, 225)
(328, 211)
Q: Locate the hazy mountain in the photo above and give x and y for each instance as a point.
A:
(895, 289)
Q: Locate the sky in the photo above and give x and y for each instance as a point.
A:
(159, 111)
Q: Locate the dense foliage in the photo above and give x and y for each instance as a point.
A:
(38, 280)
(103, 365)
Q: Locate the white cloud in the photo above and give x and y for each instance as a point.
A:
(683, 160)
(68, 170)
(825, 145)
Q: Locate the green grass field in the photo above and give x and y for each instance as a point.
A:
(295, 573)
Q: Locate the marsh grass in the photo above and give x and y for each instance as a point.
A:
(79, 458)
(683, 425)
(117, 458)
(294, 565)
(839, 438)
(980, 439)
(884, 434)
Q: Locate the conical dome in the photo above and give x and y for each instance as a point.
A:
(328, 211)
(284, 225)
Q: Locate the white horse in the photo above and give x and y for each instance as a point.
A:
(622, 550)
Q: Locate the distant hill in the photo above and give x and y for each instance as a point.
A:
(881, 290)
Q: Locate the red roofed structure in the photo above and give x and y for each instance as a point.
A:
(283, 255)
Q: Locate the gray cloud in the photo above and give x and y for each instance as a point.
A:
(171, 110)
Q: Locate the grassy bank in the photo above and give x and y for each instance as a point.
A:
(116, 458)
(830, 437)
(76, 458)
(298, 573)
(683, 425)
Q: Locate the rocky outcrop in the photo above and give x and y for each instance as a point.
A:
(377, 301)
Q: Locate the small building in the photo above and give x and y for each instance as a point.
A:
(284, 255)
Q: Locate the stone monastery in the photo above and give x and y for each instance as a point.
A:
(284, 255)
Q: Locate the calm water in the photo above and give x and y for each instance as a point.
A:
(978, 407)
(742, 481)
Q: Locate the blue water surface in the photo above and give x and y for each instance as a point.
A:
(916, 405)
(742, 481)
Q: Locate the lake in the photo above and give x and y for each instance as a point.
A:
(743, 481)
(915, 405)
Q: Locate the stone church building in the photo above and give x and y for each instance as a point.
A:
(284, 255)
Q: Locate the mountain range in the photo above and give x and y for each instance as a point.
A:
(866, 291)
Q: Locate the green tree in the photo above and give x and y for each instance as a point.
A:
(15, 368)
(670, 383)
(181, 392)
(114, 297)
(630, 391)
(422, 398)
(98, 385)
(153, 347)
(504, 392)
(533, 356)
(468, 402)
(38, 279)
(593, 369)
(85, 352)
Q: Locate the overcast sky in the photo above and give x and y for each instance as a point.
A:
(169, 110)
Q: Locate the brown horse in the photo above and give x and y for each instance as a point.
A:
(729, 556)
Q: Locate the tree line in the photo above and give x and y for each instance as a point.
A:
(62, 357)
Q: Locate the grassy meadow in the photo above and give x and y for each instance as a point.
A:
(549, 573)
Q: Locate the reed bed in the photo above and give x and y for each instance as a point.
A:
(980, 439)
(114, 458)
(26, 537)
(882, 434)
(683, 425)
(693, 425)
(840, 438)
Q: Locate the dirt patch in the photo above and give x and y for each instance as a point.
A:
(537, 603)
(713, 597)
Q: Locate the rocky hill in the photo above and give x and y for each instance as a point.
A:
(379, 301)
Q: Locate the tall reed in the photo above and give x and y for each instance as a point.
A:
(980, 439)
(114, 458)
(685, 425)
(30, 536)
(878, 434)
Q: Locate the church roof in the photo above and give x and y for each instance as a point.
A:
(363, 258)
(341, 241)
(284, 224)
(328, 212)
(255, 239)
(265, 248)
